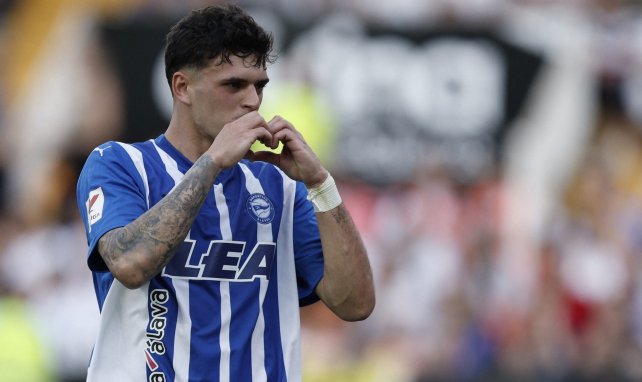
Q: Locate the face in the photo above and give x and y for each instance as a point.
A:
(222, 93)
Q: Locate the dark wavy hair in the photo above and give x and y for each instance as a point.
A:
(216, 32)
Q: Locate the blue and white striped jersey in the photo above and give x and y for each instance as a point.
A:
(226, 307)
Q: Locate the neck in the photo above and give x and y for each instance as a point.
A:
(186, 139)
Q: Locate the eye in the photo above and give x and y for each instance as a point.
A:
(236, 85)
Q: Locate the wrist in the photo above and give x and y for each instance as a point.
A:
(317, 180)
(215, 160)
(324, 196)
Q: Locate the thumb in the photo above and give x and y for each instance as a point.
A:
(249, 155)
(267, 156)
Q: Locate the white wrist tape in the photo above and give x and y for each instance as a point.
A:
(325, 196)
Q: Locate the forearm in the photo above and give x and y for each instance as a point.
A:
(139, 251)
(347, 285)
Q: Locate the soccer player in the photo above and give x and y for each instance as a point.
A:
(201, 250)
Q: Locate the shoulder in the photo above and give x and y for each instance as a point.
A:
(108, 150)
(103, 155)
(114, 151)
(113, 159)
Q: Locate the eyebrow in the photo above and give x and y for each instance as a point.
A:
(261, 82)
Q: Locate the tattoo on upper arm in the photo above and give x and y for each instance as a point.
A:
(162, 228)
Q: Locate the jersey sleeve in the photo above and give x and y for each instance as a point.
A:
(307, 247)
(110, 194)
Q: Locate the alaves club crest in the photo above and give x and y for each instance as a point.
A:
(260, 208)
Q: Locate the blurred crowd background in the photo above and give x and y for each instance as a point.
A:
(490, 152)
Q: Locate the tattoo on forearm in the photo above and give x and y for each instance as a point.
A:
(161, 229)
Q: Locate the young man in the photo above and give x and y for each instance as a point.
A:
(202, 251)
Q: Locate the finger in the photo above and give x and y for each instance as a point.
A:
(251, 119)
(285, 125)
(264, 136)
(284, 131)
(278, 123)
(289, 138)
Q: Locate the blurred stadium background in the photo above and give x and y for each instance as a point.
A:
(489, 150)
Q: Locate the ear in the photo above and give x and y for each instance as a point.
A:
(180, 87)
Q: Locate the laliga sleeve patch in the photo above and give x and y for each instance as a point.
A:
(95, 204)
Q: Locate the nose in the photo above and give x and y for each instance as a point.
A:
(252, 99)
